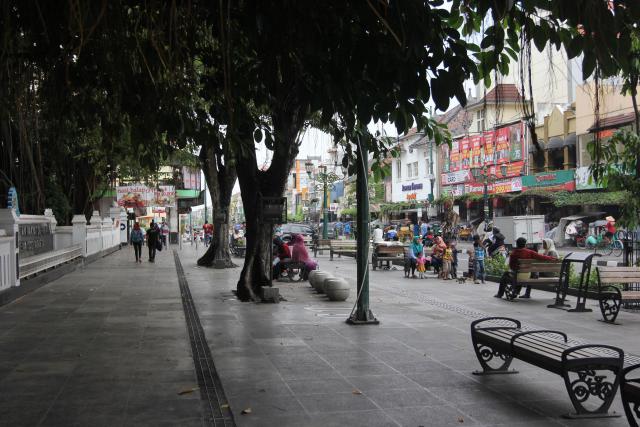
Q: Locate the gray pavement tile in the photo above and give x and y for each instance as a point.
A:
(500, 413)
(430, 416)
(266, 387)
(264, 405)
(375, 418)
(442, 378)
(320, 386)
(352, 369)
(387, 399)
(467, 395)
(336, 402)
(368, 383)
(22, 413)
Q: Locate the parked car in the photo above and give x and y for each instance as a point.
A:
(288, 230)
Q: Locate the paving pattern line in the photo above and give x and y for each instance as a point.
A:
(211, 392)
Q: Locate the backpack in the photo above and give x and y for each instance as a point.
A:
(136, 236)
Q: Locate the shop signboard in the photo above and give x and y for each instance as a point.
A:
(489, 147)
(502, 145)
(454, 164)
(513, 169)
(516, 142)
(141, 196)
(454, 177)
(501, 186)
(476, 151)
(412, 187)
(552, 181)
(453, 190)
(445, 158)
(465, 153)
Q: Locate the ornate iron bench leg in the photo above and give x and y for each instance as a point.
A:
(592, 382)
(487, 356)
(610, 301)
(630, 390)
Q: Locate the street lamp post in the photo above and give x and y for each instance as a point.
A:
(483, 173)
(325, 182)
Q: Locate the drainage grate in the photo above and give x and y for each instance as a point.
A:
(213, 398)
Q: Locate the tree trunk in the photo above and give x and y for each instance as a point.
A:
(255, 183)
(221, 178)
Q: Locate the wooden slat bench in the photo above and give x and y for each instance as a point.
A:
(531, 266)
(630, 390)
(611, 297)
(590, 371)
(388, 253)
(342, 247)
(320, 245)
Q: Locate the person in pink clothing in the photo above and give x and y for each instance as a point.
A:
(299, 253)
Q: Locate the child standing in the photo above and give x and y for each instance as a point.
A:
(421, 265)
(478, 262)
(447, 259)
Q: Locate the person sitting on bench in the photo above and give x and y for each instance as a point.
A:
(521, 252)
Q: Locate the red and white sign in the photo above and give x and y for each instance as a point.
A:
(501, 186)
(455, 177)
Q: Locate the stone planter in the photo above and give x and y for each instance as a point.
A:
(318, 281)
(337, 289)
(311, 274)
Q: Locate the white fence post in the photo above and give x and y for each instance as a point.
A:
(11, 260)
(80, 232)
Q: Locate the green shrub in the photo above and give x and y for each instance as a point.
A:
(495, 265)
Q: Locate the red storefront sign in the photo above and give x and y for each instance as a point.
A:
(454, 163)
(476, 151)
(501, 186)
(465, 154)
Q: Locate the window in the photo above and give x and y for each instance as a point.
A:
(480, 120)
(415, 169)
(409, 170)
(399, 168)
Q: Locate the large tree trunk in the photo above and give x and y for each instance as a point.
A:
(255, 183)
(221, 177)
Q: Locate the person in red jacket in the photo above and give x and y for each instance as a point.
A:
(520, 252)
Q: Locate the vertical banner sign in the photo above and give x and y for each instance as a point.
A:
(465, 154)
(502, 145)
(516, 140)
(446, 161)
(476, 151)
(489, 147)
(454, 165)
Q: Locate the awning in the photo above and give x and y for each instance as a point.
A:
(555, 143)
(570, 140)
(533, 149)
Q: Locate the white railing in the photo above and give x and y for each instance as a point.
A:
(37, 263)
(7, 263)
(80, 240)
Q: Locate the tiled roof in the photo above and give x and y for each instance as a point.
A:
(505, 92)
(612, 122)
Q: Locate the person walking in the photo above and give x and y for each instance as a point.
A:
(478, 262)
(164, 232)
(153, 235)
(208, 233)
(137, 238)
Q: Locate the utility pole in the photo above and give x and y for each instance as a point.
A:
(363, 314)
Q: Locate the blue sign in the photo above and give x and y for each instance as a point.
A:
(412, 187)
(12, 200)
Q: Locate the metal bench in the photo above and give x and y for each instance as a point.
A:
(342, 247)
(388, 253)
(590, 371)
(512, 289)
(630, 390)
(320, 245)
(612, 298)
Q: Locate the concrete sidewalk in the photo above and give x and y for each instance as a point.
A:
(298, 364)
(108, 345)
(103, 346)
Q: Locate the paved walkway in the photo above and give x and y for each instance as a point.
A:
(108, 345)
(103, 346)
(298, 363)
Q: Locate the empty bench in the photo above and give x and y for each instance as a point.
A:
(388, 253)
(590, 371)
(342, 247)
(320, 245)
(533, 269)
(611, 297)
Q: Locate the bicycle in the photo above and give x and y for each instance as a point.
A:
(604, 247)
